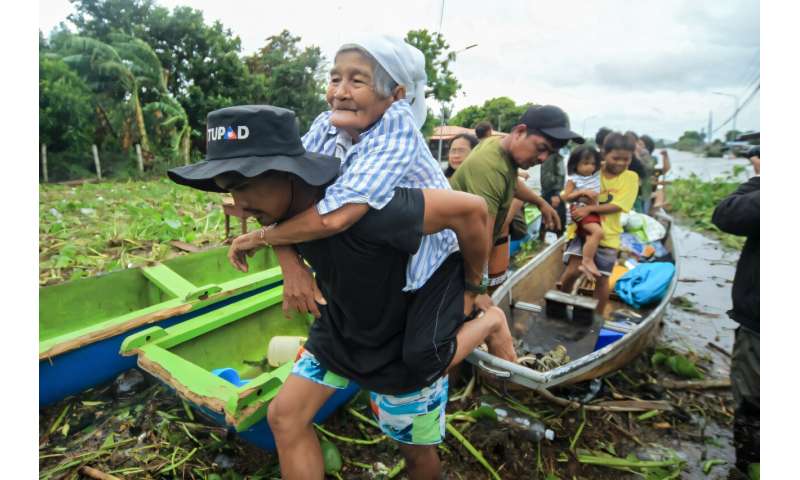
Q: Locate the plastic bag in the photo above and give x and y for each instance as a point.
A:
(645, 284)
(647, 228)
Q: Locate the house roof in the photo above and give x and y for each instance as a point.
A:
(447, 132)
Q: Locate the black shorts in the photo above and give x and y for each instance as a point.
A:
(435, 314)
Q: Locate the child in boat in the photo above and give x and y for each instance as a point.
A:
(583, 188)
(618, 186)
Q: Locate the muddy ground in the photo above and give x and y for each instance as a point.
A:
(153, 435)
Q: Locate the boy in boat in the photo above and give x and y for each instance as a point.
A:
(619, 187)
(397, 345)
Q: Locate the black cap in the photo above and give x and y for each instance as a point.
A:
(251, 140)
(550, 120)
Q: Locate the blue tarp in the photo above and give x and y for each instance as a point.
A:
(645, 284)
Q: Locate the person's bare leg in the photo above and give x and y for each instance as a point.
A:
(571, 273)
(422, 461)
(594, 234)
(601, 294)
(492, 328)
(289, 416)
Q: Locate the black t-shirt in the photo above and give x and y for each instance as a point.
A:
(361, 273)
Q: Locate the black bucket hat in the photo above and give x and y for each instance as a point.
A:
(551, 121)
(250, 140)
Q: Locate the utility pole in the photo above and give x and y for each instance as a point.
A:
(709, 127)
(735, 105)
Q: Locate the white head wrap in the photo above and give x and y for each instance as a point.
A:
(405, 64)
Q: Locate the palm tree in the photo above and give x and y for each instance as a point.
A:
(129, 62)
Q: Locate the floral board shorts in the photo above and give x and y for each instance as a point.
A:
(415, 418)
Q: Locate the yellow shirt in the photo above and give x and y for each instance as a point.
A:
(623, 190)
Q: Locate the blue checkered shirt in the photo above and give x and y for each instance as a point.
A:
(392, 153)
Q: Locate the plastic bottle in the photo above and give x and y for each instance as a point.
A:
(531, 428)
(550, 238)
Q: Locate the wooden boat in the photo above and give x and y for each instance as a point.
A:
(522, 299)
(187, 357)
(82, 323)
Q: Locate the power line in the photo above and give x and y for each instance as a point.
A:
(752, 82)
(753, 66)
(744, 104)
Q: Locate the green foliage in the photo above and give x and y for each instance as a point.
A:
(468, 117)
(95, 228)
(715, 149)
(502, 112)
(695, 201)
(731, 135)
(155, 74)
(431, 121)
(65, 118)
(690, 141)
(331, 457)
(679, 365)
(65, 110)
(286, 76)
(441, 81)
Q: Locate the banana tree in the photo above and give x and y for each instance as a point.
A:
(175, 117)
(129, 62)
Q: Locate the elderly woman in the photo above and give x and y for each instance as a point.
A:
(376, 94)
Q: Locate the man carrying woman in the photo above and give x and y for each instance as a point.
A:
(376, 94)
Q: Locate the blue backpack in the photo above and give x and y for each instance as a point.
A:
(645, 284)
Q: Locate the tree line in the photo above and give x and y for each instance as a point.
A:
(131, 72)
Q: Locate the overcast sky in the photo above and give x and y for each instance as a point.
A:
(648, 66)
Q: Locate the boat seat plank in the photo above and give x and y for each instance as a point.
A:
(556, 303)
(167, 280)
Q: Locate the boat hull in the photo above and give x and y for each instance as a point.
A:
(529, 284)
(82, 324)
(261, 435)
(99, 362)
(191, 357)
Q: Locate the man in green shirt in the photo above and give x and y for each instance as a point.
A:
(490, 170)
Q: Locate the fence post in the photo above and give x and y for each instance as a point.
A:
(44, 162)
(139, 157)
(96, 162)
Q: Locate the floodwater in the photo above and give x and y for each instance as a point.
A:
(701, 325)
(705, 278)
(683, 165)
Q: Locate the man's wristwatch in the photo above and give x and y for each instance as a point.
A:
(478, 289)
